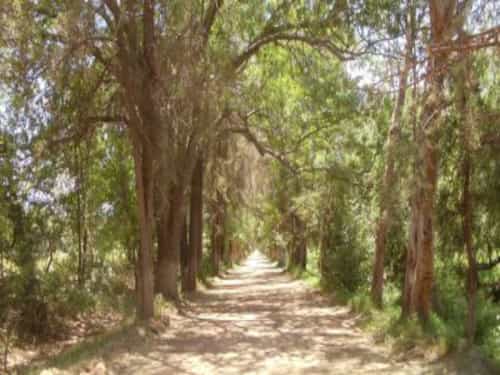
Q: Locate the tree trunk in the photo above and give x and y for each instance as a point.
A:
(230, 252)
(194, 254)
(185, 254)
(218, 233)
(169, 231)
(322, 254)
(472, 274)
(421, 246)
(302, 254)
(389, 191)
(144, 185)
(467, 204)
(214, 255)
(390, 179)
(442, 16)
(408, 305)
(299, 245)
(81, 222)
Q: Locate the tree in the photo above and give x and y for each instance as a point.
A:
(388, 195)
(444, 17)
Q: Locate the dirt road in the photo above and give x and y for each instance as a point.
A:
(257, 320)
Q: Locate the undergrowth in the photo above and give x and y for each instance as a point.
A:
(444, 333)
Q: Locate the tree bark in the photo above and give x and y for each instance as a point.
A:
(79, 215)
(472, 274)
(194, 254)
(144, 186)
(467, 201)
(408, 304)
(299, 245)
(420, 256)
(137, 76)
(169, 232)
(389, 191)
(218, 233)
(81, 165)
(442, 17)
(185, 254)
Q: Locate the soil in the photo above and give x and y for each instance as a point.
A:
(256, 320)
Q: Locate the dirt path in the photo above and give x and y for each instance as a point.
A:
(257, 320)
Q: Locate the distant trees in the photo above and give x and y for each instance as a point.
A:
(161, 71)
(131, 126)
(418, 163)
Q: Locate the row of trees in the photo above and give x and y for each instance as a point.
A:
(126, 126)
(440, 124)
(450, 48)
(160, 81)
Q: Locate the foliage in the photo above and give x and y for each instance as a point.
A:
(290, 106)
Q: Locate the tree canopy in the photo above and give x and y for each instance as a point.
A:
(146, 145)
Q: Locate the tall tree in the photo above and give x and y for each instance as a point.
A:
(388, 194)
(445, 17)
(464, 92)
(194, 255)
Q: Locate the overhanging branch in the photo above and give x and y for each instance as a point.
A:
(259, 146)
(213, 8)
(488, 266)
(321, 43)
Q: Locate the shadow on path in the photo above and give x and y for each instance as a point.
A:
(257, 320)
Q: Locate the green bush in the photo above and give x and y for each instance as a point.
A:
(361, 303)
(64, 298)
(488, 321)
(450, 331)
(491, 343)
(346, 268)
(206, 268)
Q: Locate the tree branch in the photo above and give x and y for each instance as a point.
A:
(213, 8)
(488, 266)
(488, 38)
(261, 149)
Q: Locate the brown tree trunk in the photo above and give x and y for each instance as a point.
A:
(408, 305)
(423, 207)
(389, 191)
(425, 254)
(218, 233)
(138, 77)
(81, 217)
(322, 255)
(390, 179)
(302, 254)
(472, 274)
(427, 149)
(302, 250)
(185, 254)
(299, 246)
(230, 252)
(194, 251)
(169, 231)
(215, 255)
(442, 17)
(144, 270)
(467, 204)
(324, 239)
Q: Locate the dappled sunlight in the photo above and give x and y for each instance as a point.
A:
(257, 320)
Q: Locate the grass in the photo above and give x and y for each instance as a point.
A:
(385, 325)
(87, 349)
(126, 333)
(311, 274)
(442, 335)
